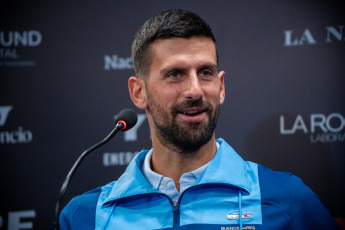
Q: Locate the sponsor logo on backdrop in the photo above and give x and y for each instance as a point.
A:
(331, 34)
(4, 111)
(13, 43)
(16, 136)
(114, 62)
(19, 220)
(118, 159)
(321, 128)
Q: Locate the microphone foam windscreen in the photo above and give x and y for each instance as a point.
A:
(129, 116)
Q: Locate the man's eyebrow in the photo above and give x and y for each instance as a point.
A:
(183, 68)
(208, 66)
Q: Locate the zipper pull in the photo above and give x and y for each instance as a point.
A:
(175, 206)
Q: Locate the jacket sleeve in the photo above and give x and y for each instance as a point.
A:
(80, 212)
(306, 209)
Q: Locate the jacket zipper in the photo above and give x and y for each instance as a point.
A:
(176, 213)
(176, 205)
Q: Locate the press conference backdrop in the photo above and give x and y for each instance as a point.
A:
(64, 67)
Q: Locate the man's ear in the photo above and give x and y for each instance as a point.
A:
(222, 87)
(137, 91)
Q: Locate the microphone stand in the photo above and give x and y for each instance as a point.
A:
(118, 127)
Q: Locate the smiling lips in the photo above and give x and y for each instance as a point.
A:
(193, 114)
(192, 111)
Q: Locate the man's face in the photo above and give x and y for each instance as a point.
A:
(183, 92)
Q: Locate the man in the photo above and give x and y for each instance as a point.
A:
(190, 180)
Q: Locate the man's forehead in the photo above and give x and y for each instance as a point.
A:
(180, 48)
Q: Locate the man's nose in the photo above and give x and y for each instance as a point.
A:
(193, 90)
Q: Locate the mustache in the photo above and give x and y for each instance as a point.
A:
(200, 103)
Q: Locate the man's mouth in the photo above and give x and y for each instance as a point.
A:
(192, 114)
(192, 111)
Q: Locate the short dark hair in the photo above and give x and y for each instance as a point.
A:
(175, 23)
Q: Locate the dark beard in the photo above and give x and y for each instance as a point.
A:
(184, 139)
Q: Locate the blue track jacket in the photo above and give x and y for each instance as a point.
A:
(231, 194)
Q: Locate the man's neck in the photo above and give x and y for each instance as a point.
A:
(173, 164)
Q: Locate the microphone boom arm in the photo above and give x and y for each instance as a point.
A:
(119, 126)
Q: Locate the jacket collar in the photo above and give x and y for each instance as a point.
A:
(227, 167)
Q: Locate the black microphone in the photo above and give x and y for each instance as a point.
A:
(125, 120)
(128, 118)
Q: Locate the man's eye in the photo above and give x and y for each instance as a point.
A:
(206, 73)
(174, 74)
